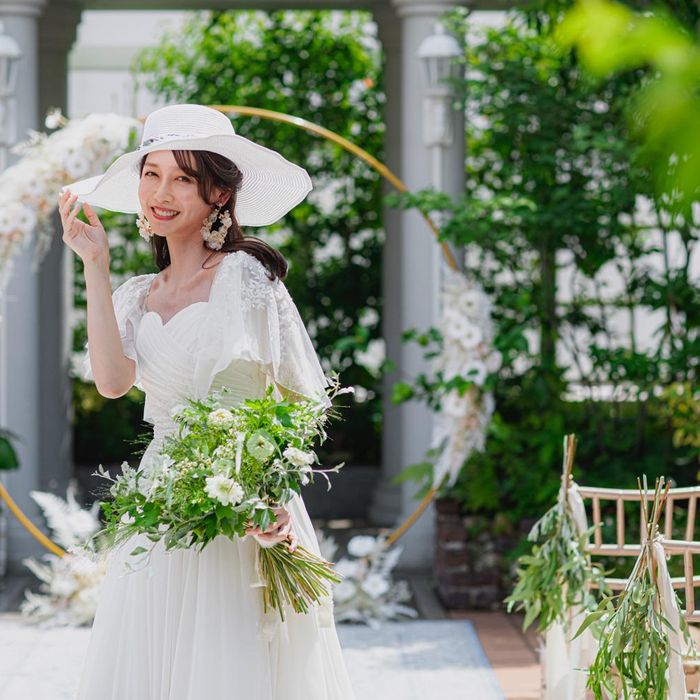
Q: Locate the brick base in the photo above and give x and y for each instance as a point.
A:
(467, 569)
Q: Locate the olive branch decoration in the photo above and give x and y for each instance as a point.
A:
(634, 649)
(558, 575)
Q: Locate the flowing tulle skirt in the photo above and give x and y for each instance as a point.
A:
(189, 625)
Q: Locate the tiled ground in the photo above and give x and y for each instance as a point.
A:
(512, 654)
(415, 660)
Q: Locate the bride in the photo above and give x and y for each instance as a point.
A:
(190, 625)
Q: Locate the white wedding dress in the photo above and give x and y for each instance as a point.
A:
(189, 625)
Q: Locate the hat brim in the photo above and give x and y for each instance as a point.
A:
(271, 186)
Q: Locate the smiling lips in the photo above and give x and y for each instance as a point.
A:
(164, 214)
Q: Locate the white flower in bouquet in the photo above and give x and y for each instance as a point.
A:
(224, 489)
(362, 545)
(305, 475)
(227, 482)
(260, 447)
(221, 418)
(298, 457)
(222, 466)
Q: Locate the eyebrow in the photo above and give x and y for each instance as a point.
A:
(150, 164)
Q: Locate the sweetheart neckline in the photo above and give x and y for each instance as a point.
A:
(194, 303)
(175, 315)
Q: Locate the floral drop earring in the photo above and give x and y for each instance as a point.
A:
(215, 239)
(144, 226)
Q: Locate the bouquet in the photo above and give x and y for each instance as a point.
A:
(226, 470)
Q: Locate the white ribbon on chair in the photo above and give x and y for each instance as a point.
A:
(669, 609)
(565, 660)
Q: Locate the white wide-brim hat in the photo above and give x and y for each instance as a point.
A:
(271, 185)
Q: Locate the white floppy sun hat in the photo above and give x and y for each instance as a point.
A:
(271, 184)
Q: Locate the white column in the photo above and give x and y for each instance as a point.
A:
(411, 262)
(23, 392)
(57, 32)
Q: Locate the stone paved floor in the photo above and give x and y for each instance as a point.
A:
(416, 660)
(513, 655)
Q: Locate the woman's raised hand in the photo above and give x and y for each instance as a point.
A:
(89, 241)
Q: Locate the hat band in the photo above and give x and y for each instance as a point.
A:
(162, 137)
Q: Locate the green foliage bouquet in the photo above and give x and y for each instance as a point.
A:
(224, 471)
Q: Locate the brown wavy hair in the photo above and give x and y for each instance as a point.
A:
(212, 170)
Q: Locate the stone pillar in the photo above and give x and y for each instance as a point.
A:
(386, 507)
(21, 391)
(411, 264)
(57, 31)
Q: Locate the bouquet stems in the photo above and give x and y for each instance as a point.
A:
(298, 579)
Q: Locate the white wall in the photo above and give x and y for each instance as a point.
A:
(99, 79)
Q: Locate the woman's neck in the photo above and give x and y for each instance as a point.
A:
(186, 261)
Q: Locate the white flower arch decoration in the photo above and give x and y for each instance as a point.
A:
(29, 188)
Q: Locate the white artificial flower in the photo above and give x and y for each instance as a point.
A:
(373, 357)
(298, 457)
(493, 361)
(260, 447)
(223, 489)
(455, 405)
(62, 586)
(76, 165)
(362, 545)
(25, 221)
(344, 591)
(221, 418)
(53, 119)
(468, 334)
(474, 371)
(375, 585)
(347, 568)
(469, 301)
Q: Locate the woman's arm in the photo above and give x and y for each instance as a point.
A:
(113, 372)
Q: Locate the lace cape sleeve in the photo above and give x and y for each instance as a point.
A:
(254, 318)
(128, 309)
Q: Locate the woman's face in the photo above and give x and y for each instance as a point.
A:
(170, 198)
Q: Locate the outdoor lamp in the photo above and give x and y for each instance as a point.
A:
(9, 63)
(437, 53)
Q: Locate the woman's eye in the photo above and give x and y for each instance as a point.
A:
(182, 177)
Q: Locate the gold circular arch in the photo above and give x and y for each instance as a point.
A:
(387, 175)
